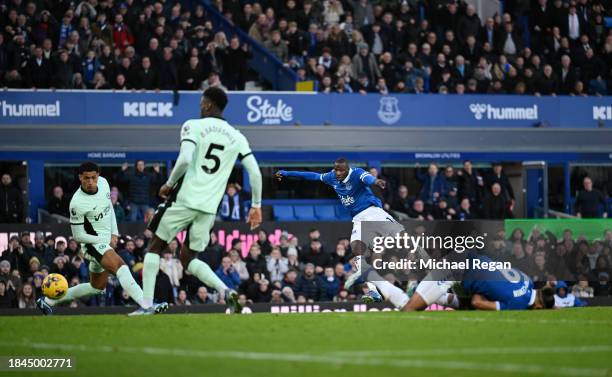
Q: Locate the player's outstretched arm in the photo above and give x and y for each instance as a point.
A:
(252, 168)
(309, 176)
(481, 303)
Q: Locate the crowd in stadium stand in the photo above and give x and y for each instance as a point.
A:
(443, 193)
(540, 47)
(293, 271)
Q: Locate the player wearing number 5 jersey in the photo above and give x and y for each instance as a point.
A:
(208, 153)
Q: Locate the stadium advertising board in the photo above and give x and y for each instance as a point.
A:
(269, 108)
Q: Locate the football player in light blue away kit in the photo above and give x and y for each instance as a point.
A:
(209, 149)
(352, 185)
(489, 290)
(93, 224)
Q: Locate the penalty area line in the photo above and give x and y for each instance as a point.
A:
(325, 359)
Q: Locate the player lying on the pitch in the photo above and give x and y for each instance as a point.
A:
(93, 224)
(489, 290)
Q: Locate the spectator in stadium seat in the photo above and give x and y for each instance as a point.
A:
(235, 64)
(117, 207)
(277, 46)
(202, 296)
(469, 183)
(262, 291)
(500, 177)
(40, 249)
(255, 261)
(363, 12)
(146, 76)
(171, 266)
(127, 254)
(520, 260)
(308, 284)
(495, 205)
(314, 254)
(167, 68)
(122, 36)
(401, 204)
(58, 204)
(364, 63)
(39, 70)
(289, 284)
(139, 183)
(7, 276)
(61, 266)
(239, 265)
(340, 255)
(363, 85)
(191, 76)
(7, 296)
(602, 286)
(213, 81)
(260, 29)
(292, 258)
(434, 185)
(13, 253)
(214, 252)
(419, 211)
(567, 76)
(330, 285)
(582, 289)
(26, 298)
(442, 211)
(227, 274)
(11, 201)
(232, 204)
(465, 211)
(277, 265)
(181, 299)
(590, 203)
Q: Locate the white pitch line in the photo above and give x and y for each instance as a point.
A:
(409, 316)
(327, 359)
(480, 351)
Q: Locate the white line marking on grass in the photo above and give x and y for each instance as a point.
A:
(480, 351)
(488, 319)
(327, 359)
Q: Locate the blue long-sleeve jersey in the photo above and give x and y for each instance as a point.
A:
(354, 191)
(510, 289)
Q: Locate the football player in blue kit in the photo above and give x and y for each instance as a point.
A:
(499, 289)
(352, 185)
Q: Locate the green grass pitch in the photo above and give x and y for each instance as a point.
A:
(572, 342)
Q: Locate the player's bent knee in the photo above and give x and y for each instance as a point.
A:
(157, 245)
(111, 261)
(186, 257)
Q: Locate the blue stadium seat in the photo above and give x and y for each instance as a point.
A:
(283, 213)
(342, 214)
(304, 213)
(325, 212)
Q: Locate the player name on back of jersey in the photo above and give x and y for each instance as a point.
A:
(440, 264)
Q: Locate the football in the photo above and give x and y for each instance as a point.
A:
(55, 286)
